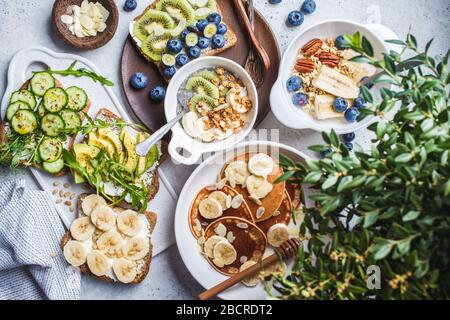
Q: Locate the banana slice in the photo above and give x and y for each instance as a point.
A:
(129, 223)
(335, 83)
(236, 173)
(125, 270)
(323, 108)
(260, 165)
(258, 187)
(360, 70)
(222, 198)
(210, 208)
(110, 242)
(82, 229)
(210, 244)
(252, 280)
(224, 254)
(98, 263)
(135, 248)
(277, 234)
(103, 217)
(90, 202)
(75, 253)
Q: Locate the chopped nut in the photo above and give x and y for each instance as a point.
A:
(220, 230)
(68, 203)
(230, 237)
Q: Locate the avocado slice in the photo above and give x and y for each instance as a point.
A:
(84, 153)
(109, 135)
(130, 146)
(78, 177)
(105, 144)
(140, 169)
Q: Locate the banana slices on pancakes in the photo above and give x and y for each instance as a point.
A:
(232, 241)
(253, 176)
(211, 204)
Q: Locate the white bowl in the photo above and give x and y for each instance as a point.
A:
(280, 99)
(181, 141)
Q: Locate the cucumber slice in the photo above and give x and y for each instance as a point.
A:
(52, 124)
(191, 39)
(55, 99)
(24, 121)
(41, 110)
(50, 150)
(13, 107)
(25, 96)
(41, 82)
(54, 167)
(71, 119)
(77, 98)
(168, 60)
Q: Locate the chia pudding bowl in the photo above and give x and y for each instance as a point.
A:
(222, 102)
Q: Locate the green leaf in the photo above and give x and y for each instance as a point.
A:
(396, 41)
(366, 94)
(284, 177)
(447, 188)
(329, 182)
(403, 246)
(411, 216)
(334, 139)
(383, 251)
(313, 177)
(390, 64)
(367, 47)
(427, 125)
(370, 218)
(404, 158)
(411, 41)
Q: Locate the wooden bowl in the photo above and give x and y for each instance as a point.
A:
(86, 43)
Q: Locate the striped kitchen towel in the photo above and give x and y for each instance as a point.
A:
(32, 265)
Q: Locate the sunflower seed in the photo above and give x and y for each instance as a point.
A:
(58, 201)
(55, 191)
(56, 183)
(66, 185)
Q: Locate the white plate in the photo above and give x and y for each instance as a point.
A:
(37, 58)
(206, 174)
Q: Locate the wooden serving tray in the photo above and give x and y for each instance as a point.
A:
(152, 114)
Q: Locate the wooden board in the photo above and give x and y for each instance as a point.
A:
(152, 114)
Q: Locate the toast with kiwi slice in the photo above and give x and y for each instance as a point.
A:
(143, 265)
(163, 20)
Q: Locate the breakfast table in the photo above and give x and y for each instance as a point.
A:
(27, 22)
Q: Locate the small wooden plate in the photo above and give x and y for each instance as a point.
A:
(152, 114)
(86, 43)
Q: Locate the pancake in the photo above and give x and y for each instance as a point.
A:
(272, 201)
(249, 242)
(198, 223)
(283, 215)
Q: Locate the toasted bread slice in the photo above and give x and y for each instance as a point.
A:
(4, 128)
(230, 36)
(144, 267)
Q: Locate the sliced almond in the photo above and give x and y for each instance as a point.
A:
(66, 19)
(236, 202)
(242, 225)
(220, 230)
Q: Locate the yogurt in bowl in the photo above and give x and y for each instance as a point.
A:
(223, 104)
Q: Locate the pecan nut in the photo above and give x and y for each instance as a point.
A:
(304, 65)
(312, 47)
(329, 59)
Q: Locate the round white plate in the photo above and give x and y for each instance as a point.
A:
(206, 174)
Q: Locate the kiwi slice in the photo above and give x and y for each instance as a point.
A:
(208, 75)
(154, 46)
(204, 100)
(152, 22)
(177, 9)
(203, 86)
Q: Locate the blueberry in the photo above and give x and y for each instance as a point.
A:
(294, 84)
(274, 1)
(324, 154)
(295, 18)
(201, 24)
(174, 46)
(139, 80)
(158, 93)
(169, 72)
(203, 43)
(184, 34)
(308, 6)
(300, 99)
(215, 18)
(194, 52)
(130, 5)
(349, 137)
(349, 146)
(182, 59)
(359, 103)
(351, 115)
(222, 29)
(340, 105)
(339, 42)
(218, 41)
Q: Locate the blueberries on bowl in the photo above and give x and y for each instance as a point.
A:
(295, 18)
(294, 83)
(300, 99)
(158, 93)
(349, 146)
(339, 42)
(359, 103)
(218, 41)
(169, 72)
(130, 5)
(181, 59)
(222, 29)
(349, 137)
(215, 18)
(194, 52)
(352, 114)
(139, 80)
(174, 46)
(324, 154)
(201, 24)
(203, 42)
(340, 105)
(308, 6)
